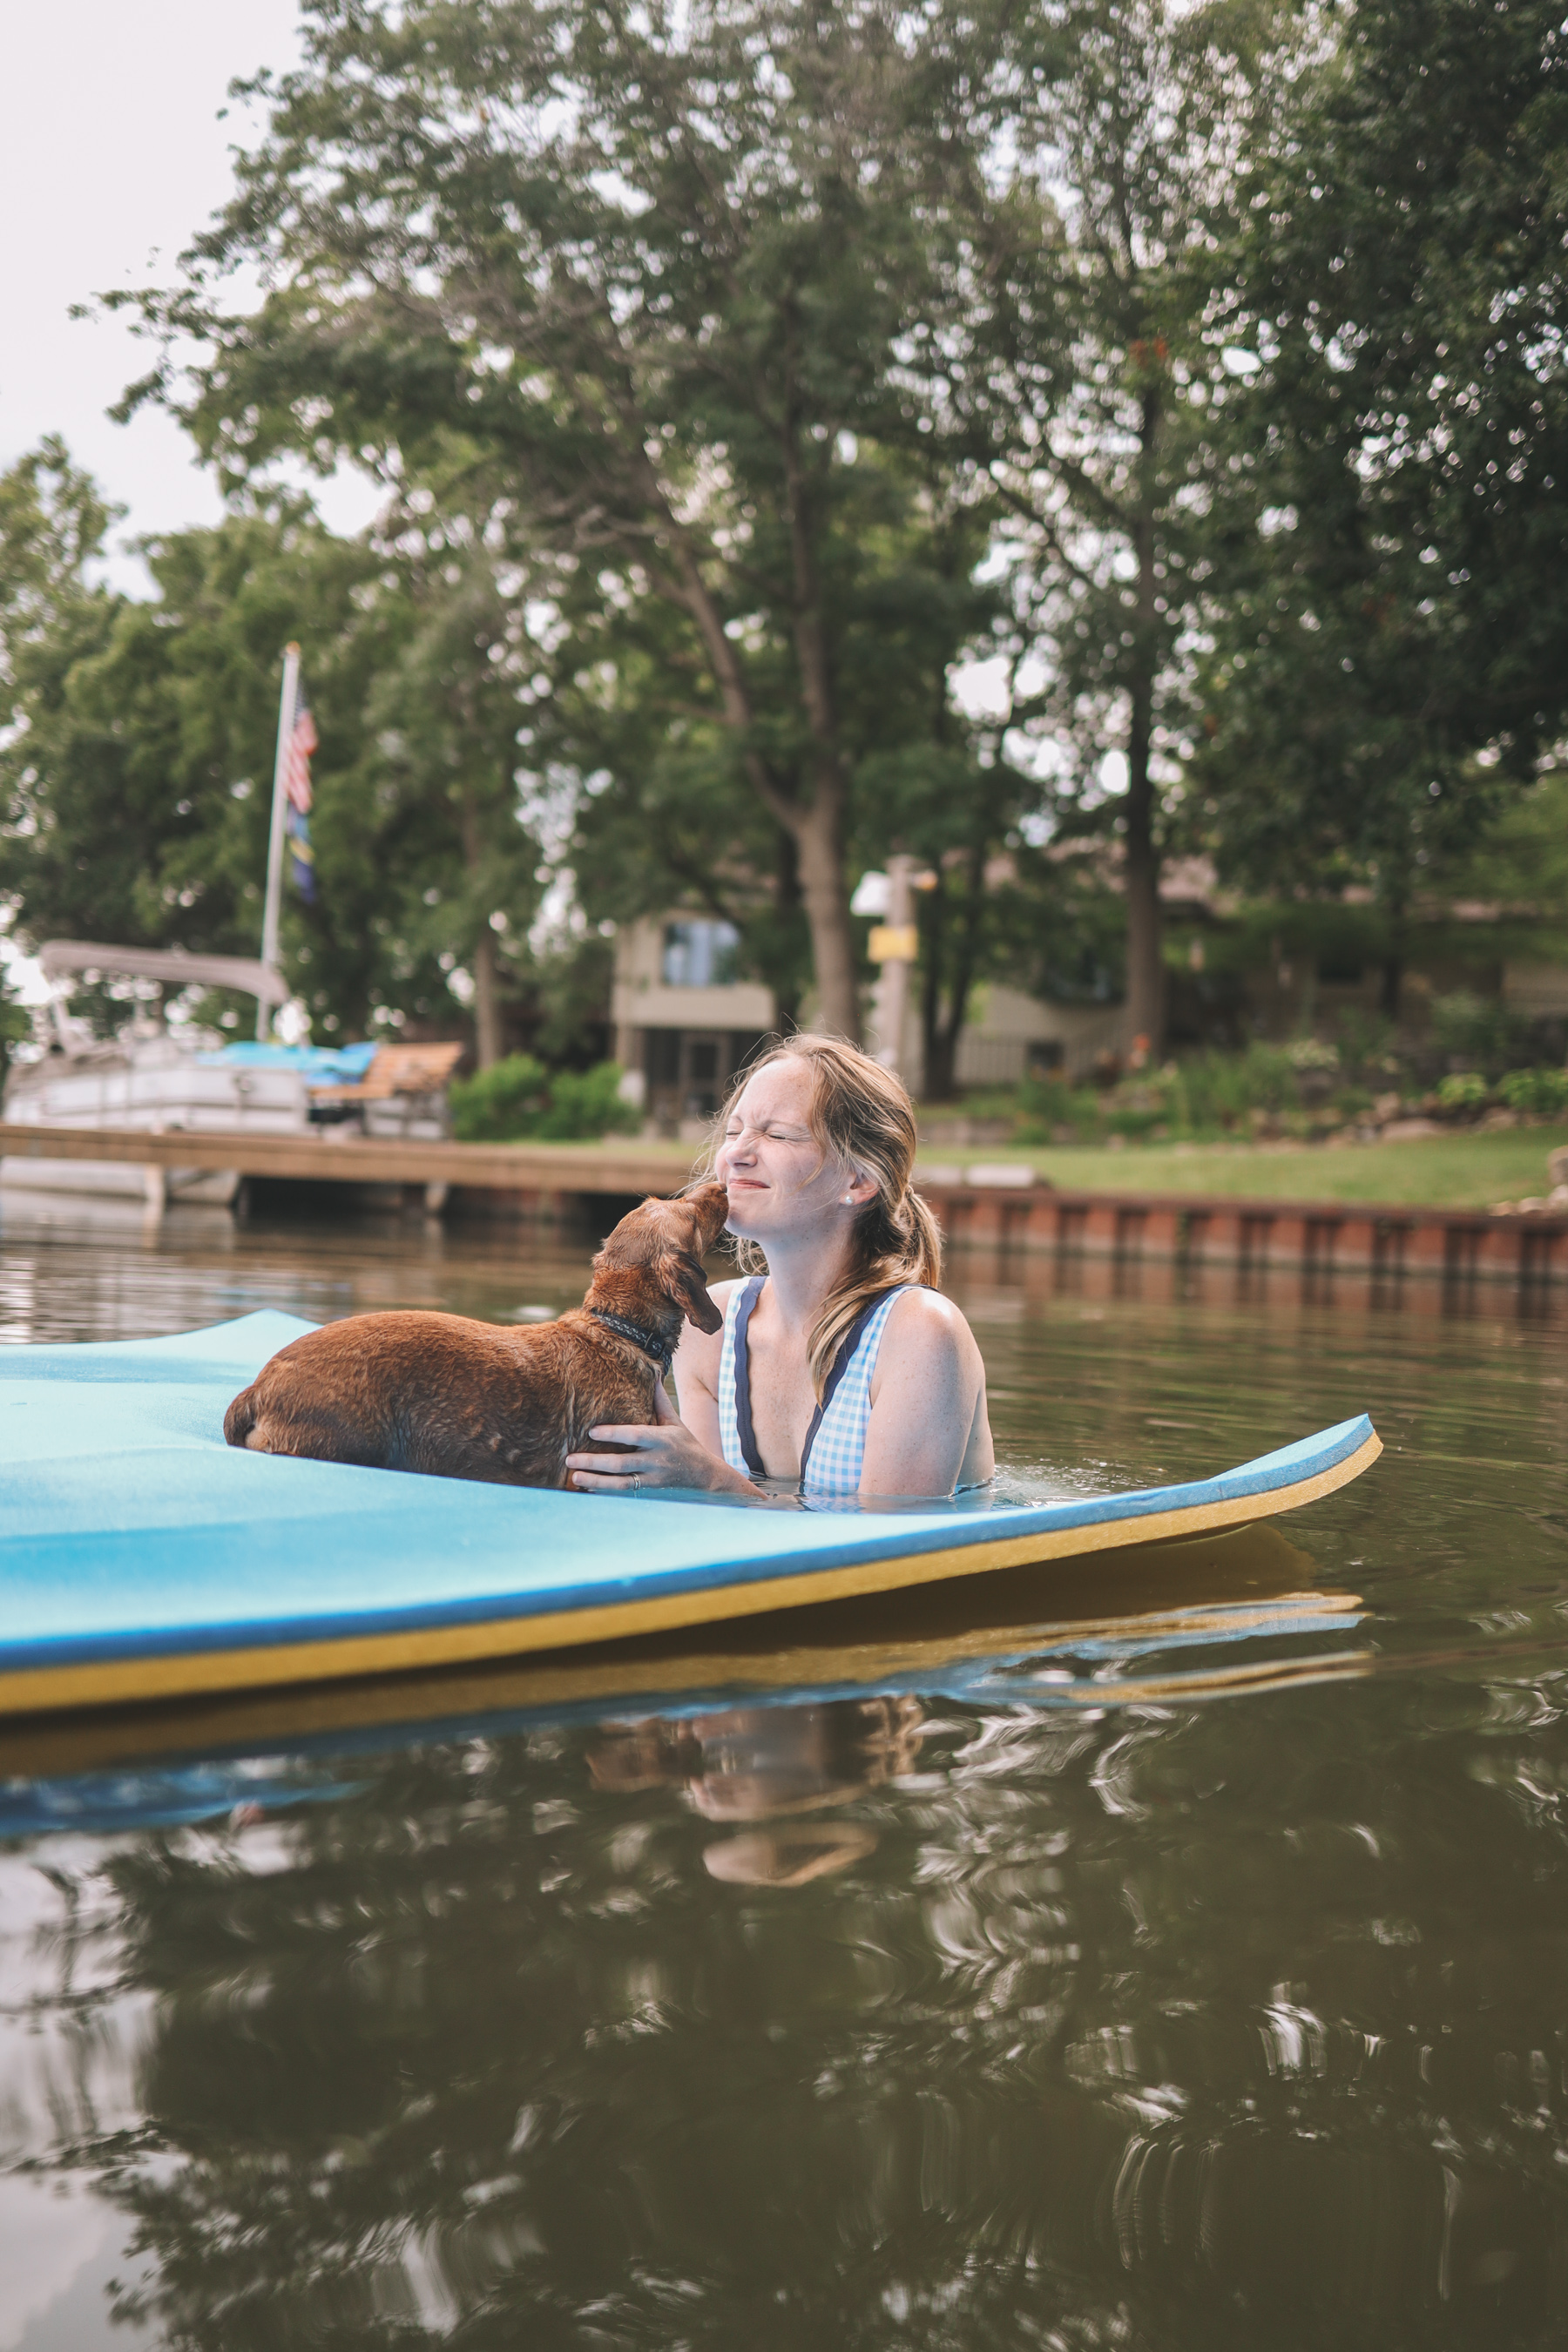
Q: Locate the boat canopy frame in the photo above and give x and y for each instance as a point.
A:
(60, 958)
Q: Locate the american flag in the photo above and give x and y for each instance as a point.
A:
(297, 817)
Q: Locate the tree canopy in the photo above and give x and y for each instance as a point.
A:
(658, 266)
(1395, 516)
(737, 376)
(136, 775)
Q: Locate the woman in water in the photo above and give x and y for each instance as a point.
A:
(840, 1367)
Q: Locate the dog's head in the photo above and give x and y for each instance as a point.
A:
(660, 1246)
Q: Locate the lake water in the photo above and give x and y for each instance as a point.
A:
(1171, 1955)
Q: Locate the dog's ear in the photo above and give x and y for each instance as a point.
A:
(683, 1279)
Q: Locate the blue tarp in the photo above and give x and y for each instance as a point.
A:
(319, 1065)
(129, 1530)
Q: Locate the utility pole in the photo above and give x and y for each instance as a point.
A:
(894, 944)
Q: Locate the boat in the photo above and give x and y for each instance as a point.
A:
(142, 1559)
(150, 1077)
(163, 1078)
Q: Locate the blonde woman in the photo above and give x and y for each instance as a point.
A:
(840, 1366)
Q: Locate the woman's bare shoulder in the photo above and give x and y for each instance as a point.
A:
(924, 1319)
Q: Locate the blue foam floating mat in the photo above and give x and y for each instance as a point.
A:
(142, 1557)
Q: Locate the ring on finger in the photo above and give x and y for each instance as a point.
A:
(636, 1482)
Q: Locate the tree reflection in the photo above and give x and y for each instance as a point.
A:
(1175, 2027)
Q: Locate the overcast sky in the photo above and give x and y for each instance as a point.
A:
(112, 156)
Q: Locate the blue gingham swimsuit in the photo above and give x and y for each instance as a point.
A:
(836, 1442)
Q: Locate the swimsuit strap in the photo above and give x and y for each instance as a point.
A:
(847, 1347)
(748, 1296)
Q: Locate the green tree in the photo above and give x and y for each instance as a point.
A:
(659, 265)
(637, 787)
(665, 820)
(1397, 505)
(16, 1022)
(1084, 192)
(53, 617)
(425, 836)
(136, 780)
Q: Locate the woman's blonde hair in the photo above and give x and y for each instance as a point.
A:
(860, 1115)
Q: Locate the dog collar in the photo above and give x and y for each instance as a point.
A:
(651, 1342)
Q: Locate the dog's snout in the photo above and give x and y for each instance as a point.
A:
(711, 1202)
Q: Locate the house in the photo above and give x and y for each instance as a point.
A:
(684, 1019)
(685, 1022)
(1010, 1034)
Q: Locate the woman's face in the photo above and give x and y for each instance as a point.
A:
(772, 1165)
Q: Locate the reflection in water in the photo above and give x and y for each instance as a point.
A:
(762, 1763)
(1085, 2029)
(1158, 1964)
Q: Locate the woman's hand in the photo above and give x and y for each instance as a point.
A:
(667, 1454)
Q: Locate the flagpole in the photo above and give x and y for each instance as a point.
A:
(287, 706)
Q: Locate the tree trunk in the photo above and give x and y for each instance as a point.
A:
(964, 958)
(786, 907)
(1393, 969)
(936, 1058)
(819, 838)
(1397, 877)
(487, 1000)
(1145, 950)
(1145, 956)
(819, 828)
(486, 974)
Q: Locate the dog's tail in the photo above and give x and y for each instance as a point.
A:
(240, 1419)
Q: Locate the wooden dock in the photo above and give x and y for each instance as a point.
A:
(541, 1178)
(554, 1181)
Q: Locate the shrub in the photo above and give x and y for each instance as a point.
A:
(1047, 1103)
(1367, 1042)
(1044, 1102)
(585, 1103)
(1466, 1090)
(1211, 1093)
(501, 1102)
(1312, 1054)
(1269, 1074)
(1208, 1093)
(1135, 1120)
(1536, 1091)
(519, 1100)
(1476, 1029)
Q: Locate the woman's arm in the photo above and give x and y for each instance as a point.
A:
(680, 1449)
(928, 1427)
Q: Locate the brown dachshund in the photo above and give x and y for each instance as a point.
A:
(464, 1400)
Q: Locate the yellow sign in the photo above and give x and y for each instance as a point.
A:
(894, 943)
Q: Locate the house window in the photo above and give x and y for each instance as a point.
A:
(701, 954)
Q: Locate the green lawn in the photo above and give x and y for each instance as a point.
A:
(1447, 1171)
